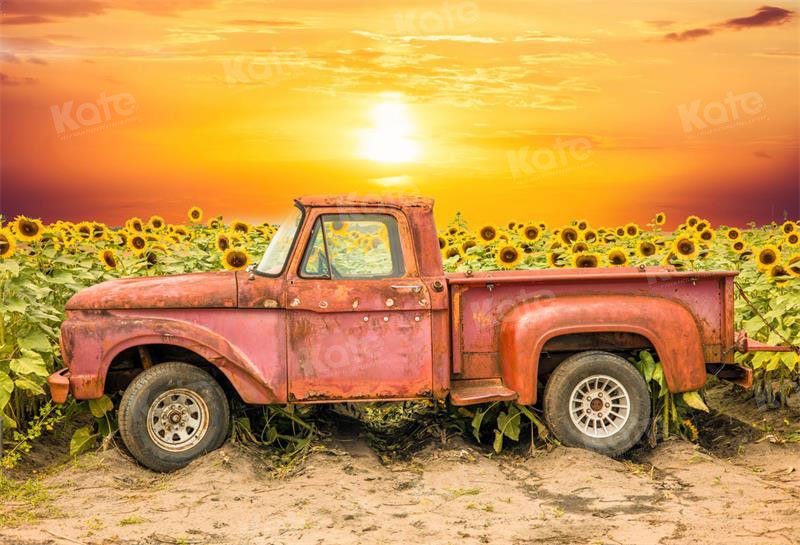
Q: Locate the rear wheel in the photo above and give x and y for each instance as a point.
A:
(171, 414)
(598, 401)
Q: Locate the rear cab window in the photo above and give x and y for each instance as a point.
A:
(353, 246)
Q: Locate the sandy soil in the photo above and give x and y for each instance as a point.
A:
(736, 491)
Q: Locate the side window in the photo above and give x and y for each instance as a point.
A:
(315, 263)
(353, 246)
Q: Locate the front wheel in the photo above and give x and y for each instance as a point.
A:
(171, 414)
(598, 401)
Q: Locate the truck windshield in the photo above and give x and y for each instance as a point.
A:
(278, 249)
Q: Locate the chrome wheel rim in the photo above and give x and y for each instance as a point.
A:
(177, 420)
(599, 406)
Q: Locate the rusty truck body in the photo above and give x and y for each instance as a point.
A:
(350, 303)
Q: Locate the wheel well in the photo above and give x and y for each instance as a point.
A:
(559, 348)
(130, 362)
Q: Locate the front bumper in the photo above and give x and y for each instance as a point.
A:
(59, 385)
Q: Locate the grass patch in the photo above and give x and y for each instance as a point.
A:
(22, 501)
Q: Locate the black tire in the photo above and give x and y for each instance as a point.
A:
(569, 375)
(144, 391)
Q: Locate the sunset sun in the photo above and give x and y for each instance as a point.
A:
(390, 139)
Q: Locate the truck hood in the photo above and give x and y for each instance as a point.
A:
(194, 290)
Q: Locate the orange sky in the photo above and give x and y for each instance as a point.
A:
(609, 111)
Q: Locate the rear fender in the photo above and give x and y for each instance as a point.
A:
(91, 343)
(669, 326)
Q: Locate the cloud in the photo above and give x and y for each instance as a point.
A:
(9, 57)
(539, 36)
(688, 35)
(37, 60)
(764, 16)
(260, 22)
(464, 38)
(584, 58)
(55, 8)
(25, 20)
(5, 79)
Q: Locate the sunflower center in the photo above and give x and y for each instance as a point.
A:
(508, 256)
(587, 261)
(487, 233)
(617, 259)
(686, 247)
(28, 228)
(768, 258)
(138, 243)
(237, 259)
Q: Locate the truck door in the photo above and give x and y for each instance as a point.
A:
(359, 318)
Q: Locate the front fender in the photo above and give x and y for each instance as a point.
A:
(669, 326)
(91, 341)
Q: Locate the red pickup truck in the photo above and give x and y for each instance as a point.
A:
(350, 303)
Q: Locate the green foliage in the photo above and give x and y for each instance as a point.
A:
(505, 419)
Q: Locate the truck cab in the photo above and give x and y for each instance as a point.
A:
(350, 303)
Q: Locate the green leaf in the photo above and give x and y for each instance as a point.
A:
(508, 423)
(6, 387)
(29, 363)
(694, 400)
(35, 340)
(100, 407)
(61, 277)
(10, 266)
(8, 422)
(540, 427)
(498, 441)
(15, 304)
(28, 385)
(477, 421)
(82, 439)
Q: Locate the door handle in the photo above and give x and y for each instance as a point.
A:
(413, 289)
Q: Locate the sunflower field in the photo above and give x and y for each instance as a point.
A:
(42, 266)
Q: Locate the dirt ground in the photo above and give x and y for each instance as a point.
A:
(740, 485)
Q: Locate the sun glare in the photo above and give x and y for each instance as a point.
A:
(390, 138)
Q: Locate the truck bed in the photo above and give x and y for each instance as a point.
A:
(481, 299)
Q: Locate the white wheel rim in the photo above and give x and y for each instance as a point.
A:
(599, 406)
(177, 420)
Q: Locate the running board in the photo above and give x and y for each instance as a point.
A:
(470, 392)
(743, 376)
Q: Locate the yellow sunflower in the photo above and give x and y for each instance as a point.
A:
(235, 259)
(685, 247)
(793, 239)
(767, 256)
(579, 247)
(99, 232)
(585, 260)
(793, 265)
(467, 244)
(108, 258)
(617, 256)
(707, 235)
(214, 223)
(778, 274)
(660, 219)
(442, 243)
(645, 248)
(701, 225)
(27, 229)
(487, 234)
(451, 251)
(156, 223)
(195, 214)
(631, 230)
(138, 244)
(531, 232)
(733, 234)
(568, 235)
(242, 227)
(788, 227)
(508, 256)
(8, 244)
(620, 231)
(554, 259)
(738, 246)
(581, 225)
(84, 230)
(135, 225)
(691, 221)
(589, 235)
(223, 242)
